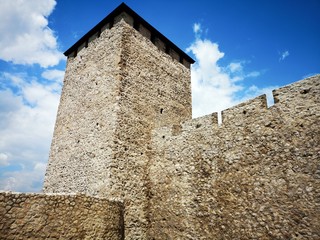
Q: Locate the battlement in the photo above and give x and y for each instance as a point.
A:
(252, 173)
(291, 99)
(123, 12)
(124, 131)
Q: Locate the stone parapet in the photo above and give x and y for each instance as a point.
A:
(299, 98)
(54, 216)
(255, 176)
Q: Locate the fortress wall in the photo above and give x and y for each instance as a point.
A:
(81, 149)
(41, 216)
(245, 112)
(154, 91)
(256, 176)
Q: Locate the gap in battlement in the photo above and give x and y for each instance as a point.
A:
(219, 118)
(270, 99)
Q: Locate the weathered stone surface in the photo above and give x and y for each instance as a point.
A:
(124, 132)
(254, 177)
(115, 92)
(41, 216)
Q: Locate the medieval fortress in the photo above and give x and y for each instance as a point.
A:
(127, 160)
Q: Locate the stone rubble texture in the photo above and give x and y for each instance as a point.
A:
(124, 132)
(256, 176)
(39, 216)
(115, 92)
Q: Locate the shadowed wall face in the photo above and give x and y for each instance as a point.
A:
(254, 177)
(154, 91)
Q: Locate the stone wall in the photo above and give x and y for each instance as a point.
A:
(256, 176)
(124, 131)
(41, 216)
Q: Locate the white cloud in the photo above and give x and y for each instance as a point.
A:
(215, 87)
(253, 74)
(235, 67)
(25, 35)
(27, 120)
(24, 180)
(284, 55)
(212, 88)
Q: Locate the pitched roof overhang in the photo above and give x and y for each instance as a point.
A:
(137, 21)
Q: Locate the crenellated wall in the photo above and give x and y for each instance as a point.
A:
(124, 132)
(256, 176)
(44, 216)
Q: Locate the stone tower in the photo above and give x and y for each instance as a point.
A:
(123, 79)
(125, 141)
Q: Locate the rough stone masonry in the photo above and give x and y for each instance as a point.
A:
(142, 168)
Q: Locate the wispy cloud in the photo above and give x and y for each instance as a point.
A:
(3, 159)
(54, 75)
(196, 28)
(216, 87)
(284, 55)
(25, 35)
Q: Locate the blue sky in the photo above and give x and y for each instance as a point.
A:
(242, 49)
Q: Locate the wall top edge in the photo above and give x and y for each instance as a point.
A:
(137, 19)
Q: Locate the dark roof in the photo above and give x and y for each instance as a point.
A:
(110, 18)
